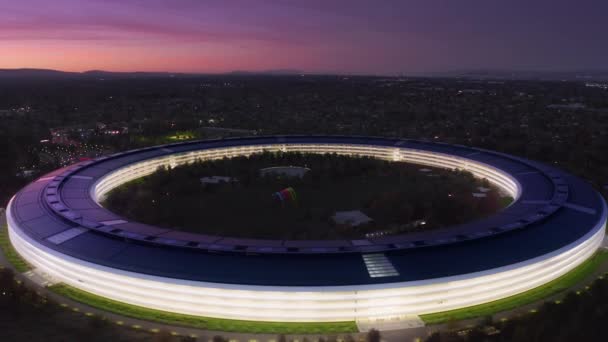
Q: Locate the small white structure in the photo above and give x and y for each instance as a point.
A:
(287, 171)
(479, 195)
(572, 106)
(352, 218)
(26, 173)
(483, 189)
(217, 179)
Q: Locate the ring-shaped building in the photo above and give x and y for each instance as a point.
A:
(555, 223)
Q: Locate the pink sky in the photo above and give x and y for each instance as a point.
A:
(356, 36)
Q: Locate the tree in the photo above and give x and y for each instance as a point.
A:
(349, 338)
(162, 336)
(435, 337)
(98, 323)
(373, 336)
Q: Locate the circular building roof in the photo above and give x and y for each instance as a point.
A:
(552, 209)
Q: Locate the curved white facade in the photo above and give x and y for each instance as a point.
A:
(338, 303)
(140, 169)
(316, 303)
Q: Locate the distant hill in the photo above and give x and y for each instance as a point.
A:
(136, 74)
(580, 75)
(55, 74)
(599, 75)
(267, 72)
(35, 73)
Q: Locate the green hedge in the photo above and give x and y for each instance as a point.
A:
(10, 253)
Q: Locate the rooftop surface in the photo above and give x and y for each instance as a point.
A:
(553, 210)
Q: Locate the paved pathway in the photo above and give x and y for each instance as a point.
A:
(386, 324)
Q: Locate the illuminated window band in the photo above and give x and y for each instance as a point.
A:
(324, 303)
(140, 169)
(382, 294)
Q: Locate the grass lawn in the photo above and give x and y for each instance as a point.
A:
(151, 140)
(179, 136)
(558, 285)
(10, 253)
(506, 201)
(208, 323)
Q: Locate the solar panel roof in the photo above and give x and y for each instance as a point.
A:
(555, 209)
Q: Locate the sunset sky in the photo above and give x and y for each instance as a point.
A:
(341, 36)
